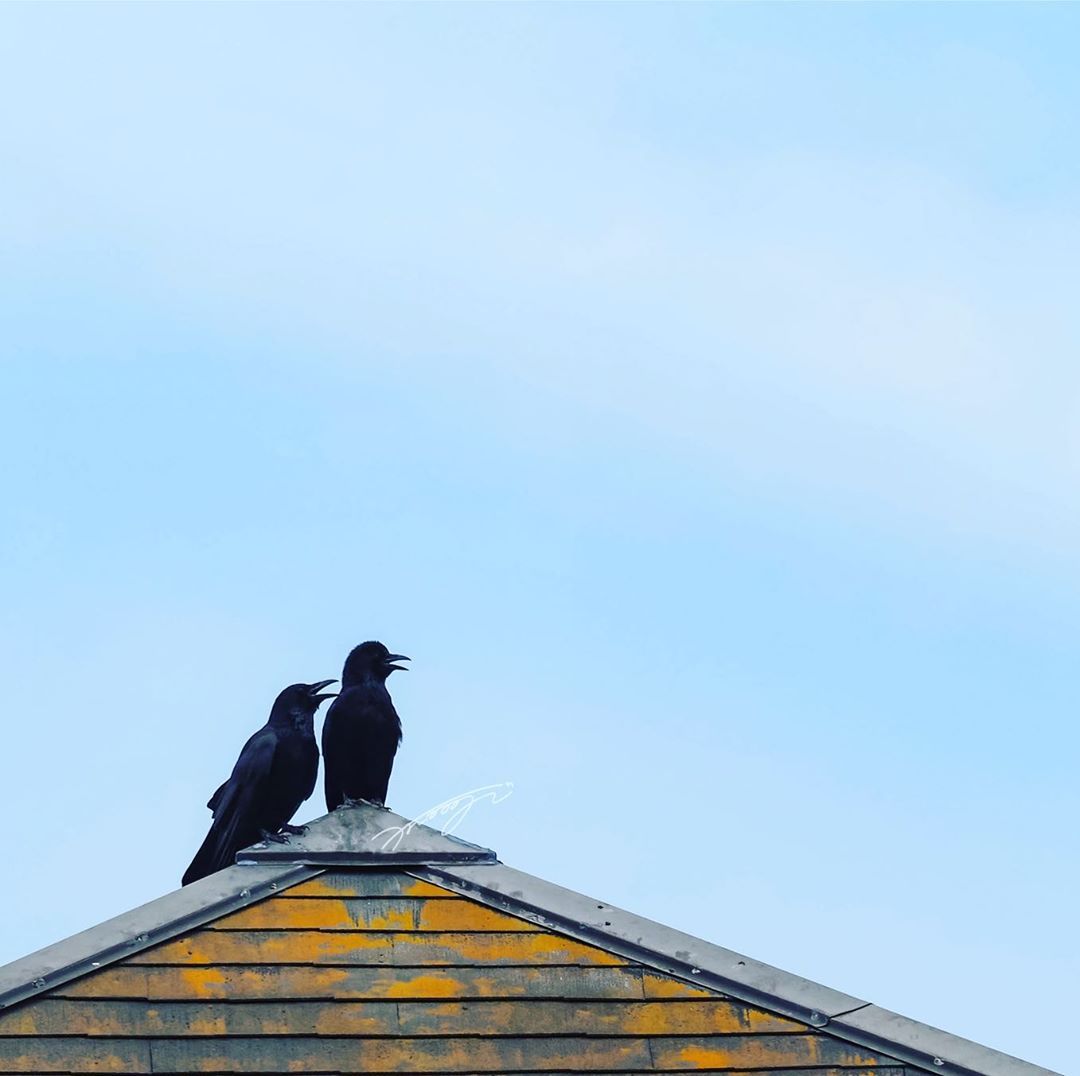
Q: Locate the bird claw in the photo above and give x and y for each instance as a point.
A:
(348, 801)
(275, 838)
(293, 831)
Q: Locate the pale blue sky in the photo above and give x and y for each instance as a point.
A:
(691, 390)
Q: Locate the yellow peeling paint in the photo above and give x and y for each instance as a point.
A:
(657, 986)
(433, 986)
(201, 981)
(782, 1051)
(458, 915)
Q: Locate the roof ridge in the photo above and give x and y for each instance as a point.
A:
(365, 835)
(370, 837)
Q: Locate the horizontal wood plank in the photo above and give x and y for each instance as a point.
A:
(365, 948)
(831, 1070)
(759, 1052)
(399, 1055)
(200, 1019)
(476, 1055)
(361, 883)
(535, 1017)
(66, 1056)
(75, 1055)
(56, 1017)
(371, 913)
(662, 986)
(772, 1053)
(272, 982)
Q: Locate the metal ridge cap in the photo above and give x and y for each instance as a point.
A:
(156, 921)
(387, 860)
(365, 835)
(929, 1047)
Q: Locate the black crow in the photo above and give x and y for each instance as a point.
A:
(274, 774)
(362, 730)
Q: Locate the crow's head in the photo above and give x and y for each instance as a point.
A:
(300, 700)
(370, 661)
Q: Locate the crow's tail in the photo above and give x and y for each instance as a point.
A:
(219, 848)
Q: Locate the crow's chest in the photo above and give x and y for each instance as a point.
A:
(297, 756)
(370, 720)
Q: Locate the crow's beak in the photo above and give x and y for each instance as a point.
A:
(388, 662)
(316, 688)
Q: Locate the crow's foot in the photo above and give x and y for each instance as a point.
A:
(293, 831)
(274, 838)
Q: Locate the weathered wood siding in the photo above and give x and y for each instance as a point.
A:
(362, 972)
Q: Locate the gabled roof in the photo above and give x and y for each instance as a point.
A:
(366, 836)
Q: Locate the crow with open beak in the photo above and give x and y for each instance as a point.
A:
(275, 773)
(362, 730)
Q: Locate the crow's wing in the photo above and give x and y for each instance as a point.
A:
(215, 799)
(335, 795)
(238, 806)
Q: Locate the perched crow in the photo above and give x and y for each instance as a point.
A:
(274, 774)
(362, 731)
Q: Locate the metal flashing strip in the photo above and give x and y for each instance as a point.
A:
(384, 860)
(928, 1047)
(713, 967)
(167, 917)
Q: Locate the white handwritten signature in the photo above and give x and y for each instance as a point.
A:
(457, 807)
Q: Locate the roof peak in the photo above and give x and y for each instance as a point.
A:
(364, 835)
